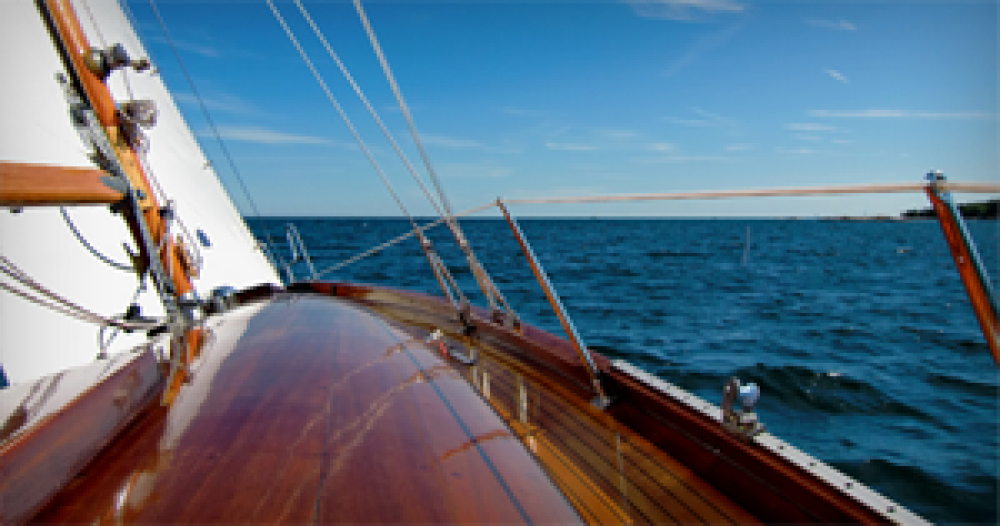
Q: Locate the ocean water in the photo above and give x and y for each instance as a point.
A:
(859, 334)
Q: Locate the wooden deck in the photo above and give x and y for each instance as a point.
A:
(310, 409)
(610, 474)
(327, 403)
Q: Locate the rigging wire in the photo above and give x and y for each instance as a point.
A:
(371, 110)
(104, 45)
(401, 238)
(83, 241)
(403, 107)
(60, 304)
(215, 131)
(354, 132)
(490, 290)
(141, 151)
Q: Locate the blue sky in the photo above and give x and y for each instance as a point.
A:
(524, 99)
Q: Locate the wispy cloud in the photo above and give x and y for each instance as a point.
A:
(702, 46)
(473, 170)
(617, 134)
(804, 137)
(842, 25)
(224, 103)
(574, 147)
(796, 151)
(682, 158)
(708, 119)
(662, 147)
(739, 147)
(450, 142)
(902, 114)
(261, 135)
(687, 10)
(842, 141)
(521, 112)
(199, 49)
(808, 126)
(837, 75)
(445, 141)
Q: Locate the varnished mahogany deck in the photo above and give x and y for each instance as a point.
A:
(328, 405)
(308, 409)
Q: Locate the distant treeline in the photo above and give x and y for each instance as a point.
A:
(983, 210)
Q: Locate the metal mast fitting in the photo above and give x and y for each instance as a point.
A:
(602, 400)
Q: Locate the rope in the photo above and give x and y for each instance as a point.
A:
(59, 304)
(866, 189)
(400, 238)
(83, 241)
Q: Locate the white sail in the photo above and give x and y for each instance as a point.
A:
(35, 341)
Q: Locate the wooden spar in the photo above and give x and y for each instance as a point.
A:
(75, 48)
(965, 259)
(148, 228)
(23, 184)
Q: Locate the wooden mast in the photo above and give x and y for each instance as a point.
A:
(75, 49)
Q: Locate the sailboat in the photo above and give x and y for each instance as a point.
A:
(158, 369)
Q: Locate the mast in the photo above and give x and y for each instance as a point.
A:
(116, 147)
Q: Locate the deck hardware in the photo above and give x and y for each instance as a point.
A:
(299, 251)
(451, 351)
(601, 401)
(740, 421)
(103, 61)
(222, 299)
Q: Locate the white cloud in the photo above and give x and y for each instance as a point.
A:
(806, 126)
(617, 134)
(450, 142)
(662, 147)
(709, 120)
(683, 9)
(797, 151)
(200, 49)
(803, 137)
(225, 103)
(842, 25)
(520, 112)
(842, 141)
(904, 114)
(473, 170)
(681, 158)
(265, 136)
(702, 46)
(565, 146)
(837, 75)
(739, 147)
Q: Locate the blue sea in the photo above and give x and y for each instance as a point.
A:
(860, 334)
